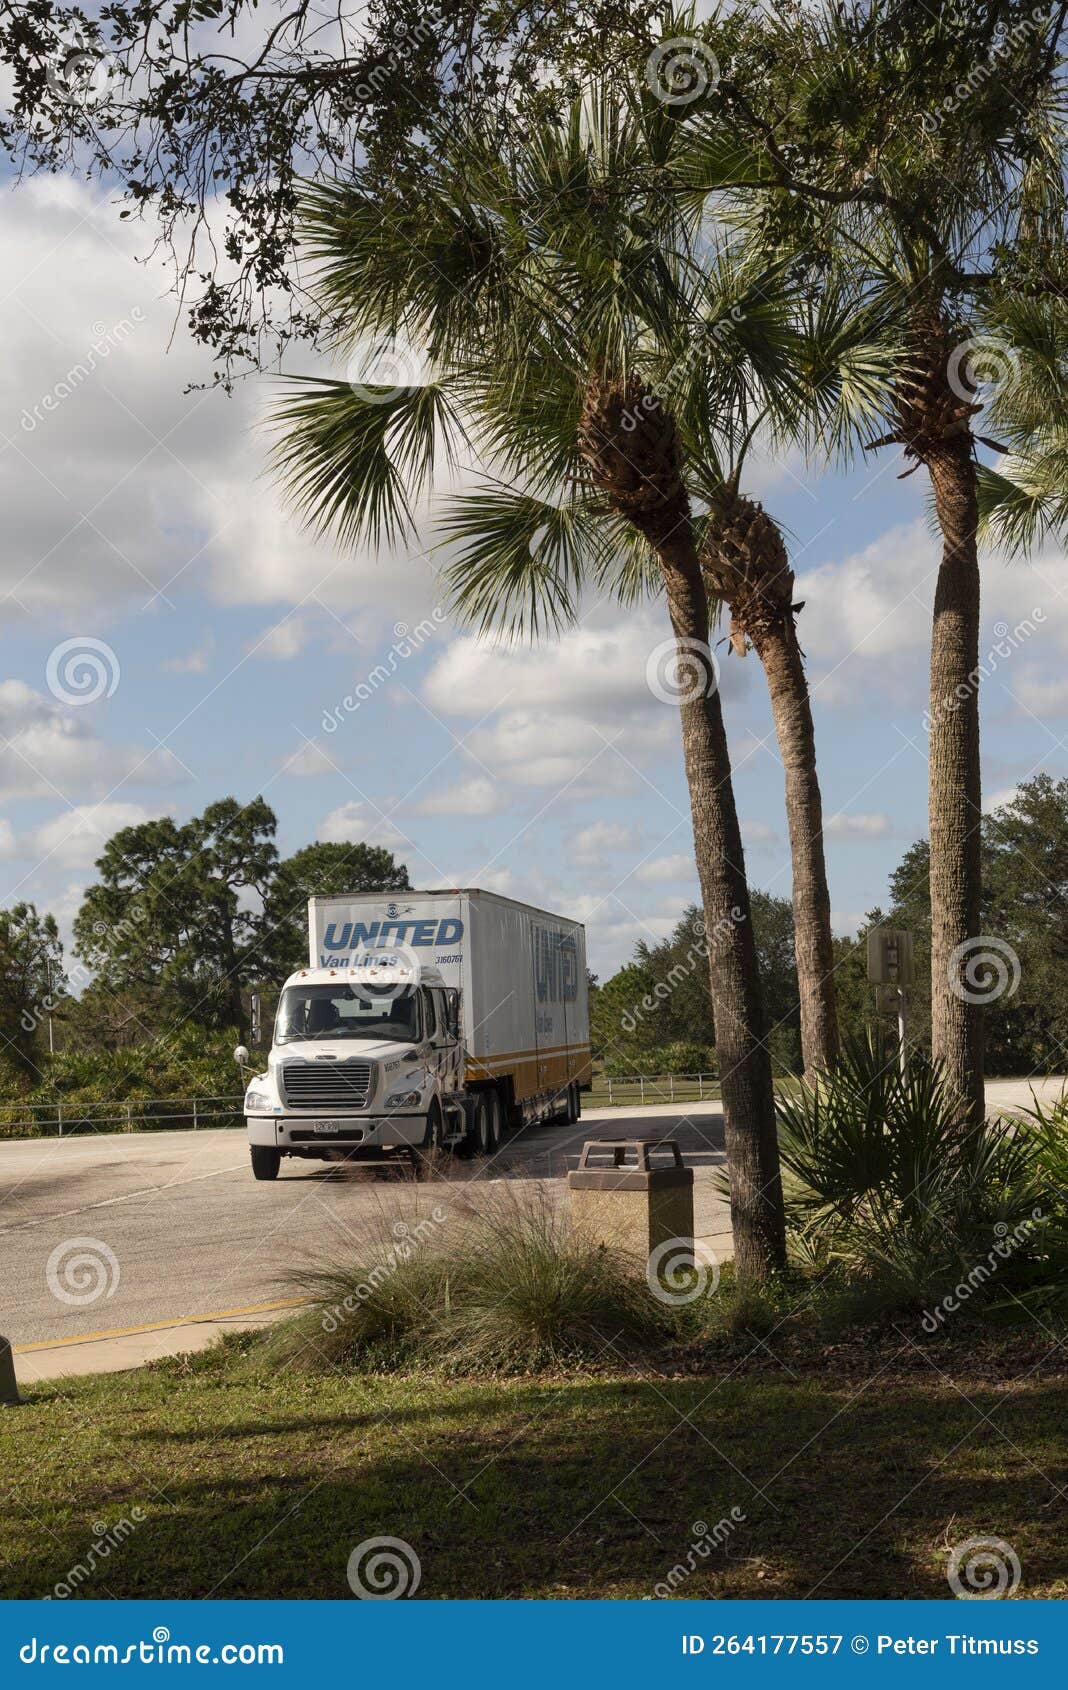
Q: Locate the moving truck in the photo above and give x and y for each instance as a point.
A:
(427, 1020)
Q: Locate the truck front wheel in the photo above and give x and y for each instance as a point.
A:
(266, 1161)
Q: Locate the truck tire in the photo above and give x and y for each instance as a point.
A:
(434, 1137)
(266, 1161)
(488, 1123)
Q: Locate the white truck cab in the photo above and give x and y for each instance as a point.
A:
(363, 1057)
(424, 1020)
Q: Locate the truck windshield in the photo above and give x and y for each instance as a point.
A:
(338, 1012)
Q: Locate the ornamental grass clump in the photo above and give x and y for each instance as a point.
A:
(496, 1282)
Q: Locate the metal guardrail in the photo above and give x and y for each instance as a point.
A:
(654, 1088)
(135, 1115)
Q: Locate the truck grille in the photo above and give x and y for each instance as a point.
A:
(327, 1085)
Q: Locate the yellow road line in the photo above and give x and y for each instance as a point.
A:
(161, 1325)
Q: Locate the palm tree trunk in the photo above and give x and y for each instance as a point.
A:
(746, 565)
(954, 793)
(631, 450)
(745, 1067)
(791, 710)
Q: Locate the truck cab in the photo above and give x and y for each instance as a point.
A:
(364, 1058)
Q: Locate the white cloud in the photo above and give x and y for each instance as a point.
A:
(51, 750)
(76, 837)
(193, 662)
(1040, 697)
(590, 844)
(756, 834)
(354, 823)
(996, 800)
(478, 796)
(872, 824)
(7, 838)
(283, 640)
(668, 870)
(308, 760)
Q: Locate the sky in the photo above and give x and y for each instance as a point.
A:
(169, 635)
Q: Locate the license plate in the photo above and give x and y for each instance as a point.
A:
(328, 1126)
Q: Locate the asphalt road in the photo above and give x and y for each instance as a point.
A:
(112, 1231)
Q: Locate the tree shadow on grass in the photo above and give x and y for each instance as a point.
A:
(576, 1489)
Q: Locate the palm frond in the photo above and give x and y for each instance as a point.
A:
(351, 462)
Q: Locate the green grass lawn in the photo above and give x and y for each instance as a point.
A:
(854, 1472)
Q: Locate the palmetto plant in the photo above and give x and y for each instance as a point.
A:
(554, 281)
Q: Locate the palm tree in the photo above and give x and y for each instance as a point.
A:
(849, 154)
(544, 275)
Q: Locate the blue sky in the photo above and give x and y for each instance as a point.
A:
(142, 518)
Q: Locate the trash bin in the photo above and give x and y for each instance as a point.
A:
(632, 1194)
(9, 1391)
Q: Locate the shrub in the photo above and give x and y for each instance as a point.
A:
(503, 1286)
(887, 1187)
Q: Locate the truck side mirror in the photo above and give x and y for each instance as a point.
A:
(241, 1056)
(452, 1000)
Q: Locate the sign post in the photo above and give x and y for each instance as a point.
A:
(890, 968)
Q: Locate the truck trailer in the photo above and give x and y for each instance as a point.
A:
(423, 1021)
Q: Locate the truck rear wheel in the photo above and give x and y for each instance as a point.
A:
(266, 1161)
(488, 1123)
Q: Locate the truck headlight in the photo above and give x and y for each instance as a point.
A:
(404, 1100)
(255, 1100)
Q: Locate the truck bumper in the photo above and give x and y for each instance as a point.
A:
(299, 1135)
